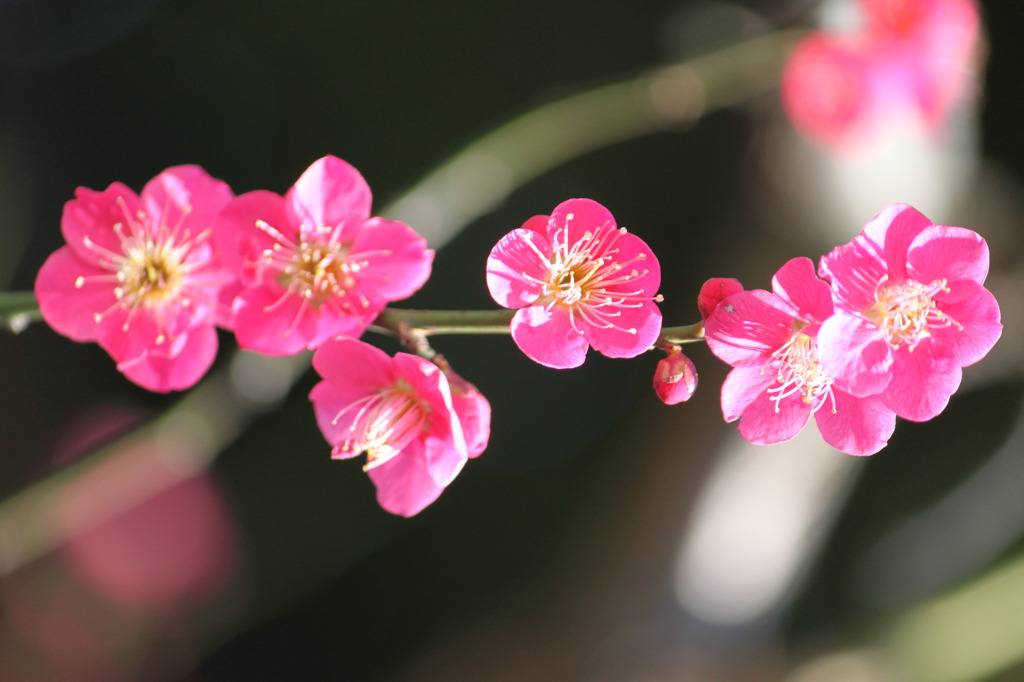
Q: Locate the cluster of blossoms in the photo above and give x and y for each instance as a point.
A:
(911, 60)
(149, 277)
(901, 309)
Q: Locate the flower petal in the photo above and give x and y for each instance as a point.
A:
(548, 338)
(894, 229)
(163, 372)
(742, 386)
(397, 259)
(91, 217)
(573, 219)
(404, 486)
(68, 308)
(924, 382)
(747, 327)
(330, 192)
(859, 426)
(855, 271)
(855, 354)
(976, 313)
(517, 267)
(272, 321)
(636, 330)
(949, 253)
(354, 365)
(184, 199)
(798, 284)
(765, 421)
(241, 244)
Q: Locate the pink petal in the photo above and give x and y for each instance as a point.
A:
(548, 338)
(573, 218)
(158, 371)
(516, 270)
(977, 314)
(855, 271)
(797, 284)
(747, 327)
(950, 253)
(859, 426)
(91, 216)
(742, 386)
(474, 413)
(328, 322)
(639, 329)
(69, 309)
(634, 251)
(184, 199)
(241, 244)
(855, 354)
(329, 193)
(333, 407)
(895, 228)
(398, 259)
(765, 421)
(354, 365)
(921, 382)
(404, 486)
(713, 292)
(271, 321)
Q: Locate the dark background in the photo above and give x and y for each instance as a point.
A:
(549, 557)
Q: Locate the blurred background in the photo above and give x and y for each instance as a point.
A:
(603, 535)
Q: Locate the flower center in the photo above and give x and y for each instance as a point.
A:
(587, 279)
(799, 372)
(385, 423)
(906, 311)
(155, 266)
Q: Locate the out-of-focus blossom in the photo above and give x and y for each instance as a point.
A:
(675, 378)
(910, 311)
(578, 281)
(913, 60)
(313, 264)
(714, 291)
(400, 412)
(139, 275)
(778, 381)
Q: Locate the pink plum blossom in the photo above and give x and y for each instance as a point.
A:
(577, 281)
(913, 59)
(675, 378)
(910, 311)
(139, 276)
(401, 412)
(313, 263)
(778, 381)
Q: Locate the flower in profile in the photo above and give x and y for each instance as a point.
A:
(139, 276)
(313, 264)
(578, 281)
(778, 380)
(399, 411)
(911, 310)
(675, 378)
(912, 59)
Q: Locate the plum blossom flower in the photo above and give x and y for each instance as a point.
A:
(778, 380)
(912, 59)
(578, 281)
(401, 412)
(313, 263)
(139, 276)
(910, 311)
(675, 378)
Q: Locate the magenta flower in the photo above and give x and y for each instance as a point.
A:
(911, 311)
(578, 281)
(139, 275)
(400, 412)
(913, 60)
(778, 381)
(313, 264)
(675, 378)
(713, 292)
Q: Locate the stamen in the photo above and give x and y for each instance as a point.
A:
(906, 311)
(799, 372)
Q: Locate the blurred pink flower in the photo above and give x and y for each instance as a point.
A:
(400, 412)
(913, 57)
(139, 275)
(911, 310)
(314, 264)
(778, 382)
(577, 281)
(675, 378)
